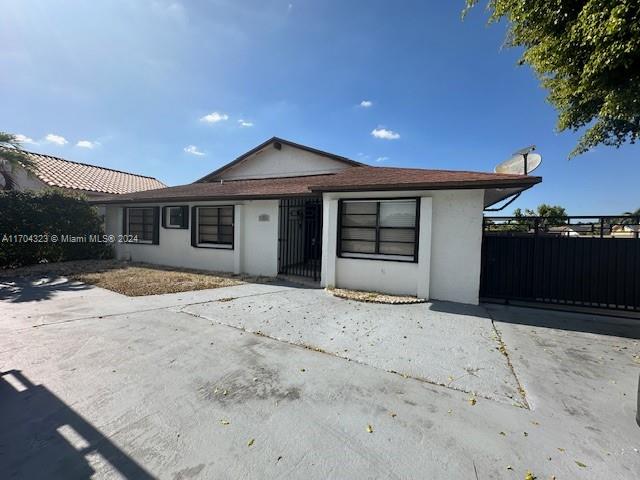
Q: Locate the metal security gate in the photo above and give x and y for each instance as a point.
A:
(300, 237)
(584, 261)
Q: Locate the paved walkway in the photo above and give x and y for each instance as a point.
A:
(97, 383)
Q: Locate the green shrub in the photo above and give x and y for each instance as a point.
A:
(29, 220)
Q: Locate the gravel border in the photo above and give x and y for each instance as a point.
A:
(374, 297)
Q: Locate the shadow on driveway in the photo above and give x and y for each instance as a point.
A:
(36, 290)
(42, 437)
(560, 320)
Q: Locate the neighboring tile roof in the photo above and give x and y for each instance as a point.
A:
(358, 178)
(58, 172)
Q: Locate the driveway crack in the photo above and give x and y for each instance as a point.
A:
(318, 350)
(502, 347)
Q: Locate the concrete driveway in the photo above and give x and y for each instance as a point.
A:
(176, 386)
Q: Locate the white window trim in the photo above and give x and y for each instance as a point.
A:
(167, 220)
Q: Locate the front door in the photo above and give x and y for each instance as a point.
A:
(300, 237)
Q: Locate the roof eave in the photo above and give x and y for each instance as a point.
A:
(197, 198)
(459, 185)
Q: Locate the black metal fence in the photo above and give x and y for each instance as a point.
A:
(586, 261)
(300, 237)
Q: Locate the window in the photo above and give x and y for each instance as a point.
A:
(213, 227)
(175, 217)
(142, 223)
(383, 229)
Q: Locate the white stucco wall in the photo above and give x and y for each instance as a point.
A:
(287, 162)
(450, 241)
(449, 249)
(255, 242)
(456, 245)
(260, 238)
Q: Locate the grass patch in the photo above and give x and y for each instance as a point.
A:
(374, 297)
(134, 279)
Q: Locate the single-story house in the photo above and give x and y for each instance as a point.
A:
(626, 231)
(91, 180)
(288, 209)
(575, 230)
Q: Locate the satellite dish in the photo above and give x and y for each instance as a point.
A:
(521, 162)
(525, 151)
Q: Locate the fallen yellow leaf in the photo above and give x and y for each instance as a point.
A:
(529, 476)
(250, 442)
(472, 401)
(369, 429)
(580, 464)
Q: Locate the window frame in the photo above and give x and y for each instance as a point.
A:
(195, 227)
(155, 225)
(381, 257)
(166, 217)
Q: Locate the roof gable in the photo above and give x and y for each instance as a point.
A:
(277, 158)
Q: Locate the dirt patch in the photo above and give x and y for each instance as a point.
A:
(374, 297)
(134, 279)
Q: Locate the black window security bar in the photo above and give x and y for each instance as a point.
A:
(591, 261)
(363, 234)
(213, 226)
(141, 223)
(300, 237)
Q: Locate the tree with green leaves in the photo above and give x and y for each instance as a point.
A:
(587, 55)
(11, 158)
(630, 220)
(551, 215)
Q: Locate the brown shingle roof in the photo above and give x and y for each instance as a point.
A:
(392, 178)
(351, 179)
(58, 172)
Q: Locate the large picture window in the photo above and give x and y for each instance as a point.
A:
(142, 224)
(382, 229)
(213, 227)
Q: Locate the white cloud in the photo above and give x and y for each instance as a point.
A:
(366, 103)
(385, 133)
(87, 144)
(24, 139)
(214, 117)
(382, 159)
(57, 139)
(169, 10)
(245, 123)
(193, 150)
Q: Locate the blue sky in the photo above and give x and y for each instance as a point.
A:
(132, 84)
